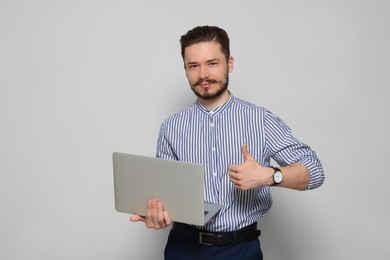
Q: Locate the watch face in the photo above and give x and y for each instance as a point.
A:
(278, 176)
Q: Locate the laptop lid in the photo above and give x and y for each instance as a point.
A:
(179, 185)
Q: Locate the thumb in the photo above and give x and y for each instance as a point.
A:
(245, 152)
(137, 218)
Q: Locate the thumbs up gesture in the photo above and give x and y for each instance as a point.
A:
(250, 174)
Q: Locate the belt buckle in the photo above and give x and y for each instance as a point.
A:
(201, 238)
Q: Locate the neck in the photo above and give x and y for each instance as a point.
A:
(215, 102)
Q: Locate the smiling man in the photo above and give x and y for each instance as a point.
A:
(208, 73)
(235, 141)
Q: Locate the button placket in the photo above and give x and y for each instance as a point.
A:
(212, 144)
(214, 155)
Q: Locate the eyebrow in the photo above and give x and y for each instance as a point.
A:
(208, 61)
(213, 60)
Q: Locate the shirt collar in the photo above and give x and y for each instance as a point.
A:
(218, 109)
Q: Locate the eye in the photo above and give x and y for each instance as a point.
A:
(213, 64)
(192, 66)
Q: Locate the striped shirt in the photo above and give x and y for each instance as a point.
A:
(214, 139)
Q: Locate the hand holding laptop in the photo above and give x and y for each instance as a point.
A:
(156, 216)
(141, 181)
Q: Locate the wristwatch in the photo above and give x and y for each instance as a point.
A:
(278, 176)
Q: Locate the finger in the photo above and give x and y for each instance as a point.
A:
(160, 215)
(233, 175)
(245, 152)
(234, 168)
(149, 214)
(237, 184)
(137, 218)
(234, 179)
(167, 219)
(154, 214)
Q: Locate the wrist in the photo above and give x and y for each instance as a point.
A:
(277, 176)
(270, 175)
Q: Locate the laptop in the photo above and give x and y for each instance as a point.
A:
(179, 185)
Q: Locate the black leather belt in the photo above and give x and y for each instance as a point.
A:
(218, 238)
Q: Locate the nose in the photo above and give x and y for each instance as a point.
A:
(203, 72)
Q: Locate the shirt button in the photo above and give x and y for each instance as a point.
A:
(213, 149)
(214, 174)
(211, 124)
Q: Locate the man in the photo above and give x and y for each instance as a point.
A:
(235, 141)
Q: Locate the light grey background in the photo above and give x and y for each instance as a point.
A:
(81, 79)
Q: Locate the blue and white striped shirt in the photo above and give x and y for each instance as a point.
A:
(214, 139)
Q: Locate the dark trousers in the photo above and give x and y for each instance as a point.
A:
(180, 247)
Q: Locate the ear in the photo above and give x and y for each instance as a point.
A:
(231, 64)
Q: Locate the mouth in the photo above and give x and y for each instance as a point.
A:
(205, 83)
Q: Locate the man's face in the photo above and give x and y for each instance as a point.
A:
(207, 69)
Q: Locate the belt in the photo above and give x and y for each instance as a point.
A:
(217, 238)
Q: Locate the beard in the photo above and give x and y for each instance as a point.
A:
(207, 94)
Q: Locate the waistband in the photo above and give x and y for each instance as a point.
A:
(217, 238)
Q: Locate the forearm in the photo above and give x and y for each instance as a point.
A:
(295, 176)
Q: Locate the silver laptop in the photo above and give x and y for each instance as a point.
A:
(179, 185)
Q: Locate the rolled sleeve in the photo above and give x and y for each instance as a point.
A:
(285, 149)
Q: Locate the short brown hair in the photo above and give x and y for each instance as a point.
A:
(206, 34)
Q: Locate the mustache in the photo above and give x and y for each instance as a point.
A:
(200, 81)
